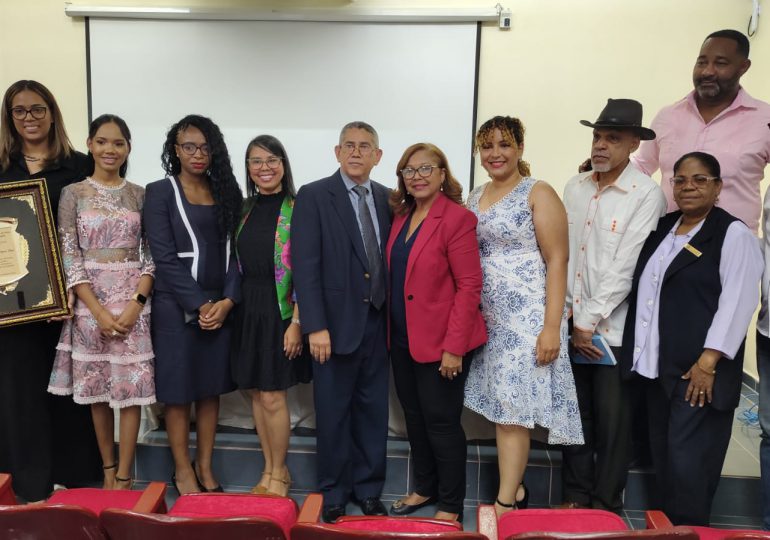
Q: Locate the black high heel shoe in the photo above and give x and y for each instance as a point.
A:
(524, 501)
(203, 488)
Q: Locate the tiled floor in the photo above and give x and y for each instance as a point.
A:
(238, 460)
(743, 453)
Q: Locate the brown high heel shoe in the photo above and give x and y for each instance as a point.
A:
(285, 481)
(259, 489)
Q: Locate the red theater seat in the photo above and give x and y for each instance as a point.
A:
(561, 521)
(675, 533)
(7, 496)
(382, 527)
(659, 521)
(71, 514)
(152, 499)
(44, 522)
(200, 516)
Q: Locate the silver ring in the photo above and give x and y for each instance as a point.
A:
(114, 332)
(454, 373)
(701, 392)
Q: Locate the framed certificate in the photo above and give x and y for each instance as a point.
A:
(32, 285)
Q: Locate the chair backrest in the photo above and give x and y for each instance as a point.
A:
(558, 520)
(129, 525)
(674, 533)
(7, 497)
(151, 499)
(382, 528)
(711, 533)
(48, 522)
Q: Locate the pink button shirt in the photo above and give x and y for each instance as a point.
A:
(739, 137)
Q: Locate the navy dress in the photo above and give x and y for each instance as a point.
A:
(190, 363)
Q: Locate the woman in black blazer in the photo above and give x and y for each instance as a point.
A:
(190, 218)
(43, 438)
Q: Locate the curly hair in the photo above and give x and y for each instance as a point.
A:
(274, 146)
(401, 201)
(513, 132)
(59, 145)
(224, 188)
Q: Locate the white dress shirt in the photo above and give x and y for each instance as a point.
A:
(607, 228)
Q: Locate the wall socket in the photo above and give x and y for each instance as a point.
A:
(505, 19)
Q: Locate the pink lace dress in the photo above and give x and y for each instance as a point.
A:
(102, 243)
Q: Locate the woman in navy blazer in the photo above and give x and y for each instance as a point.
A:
(435, 270)
(190, 218)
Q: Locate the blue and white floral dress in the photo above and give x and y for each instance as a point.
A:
(505, 384)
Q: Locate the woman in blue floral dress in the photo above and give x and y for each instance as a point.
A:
(522, 377)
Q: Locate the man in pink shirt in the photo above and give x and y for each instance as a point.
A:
(720, 118)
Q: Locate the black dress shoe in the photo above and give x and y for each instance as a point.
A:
(400, 508)
(372, 506)
(332, 512)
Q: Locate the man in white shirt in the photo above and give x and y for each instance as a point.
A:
(611, 211)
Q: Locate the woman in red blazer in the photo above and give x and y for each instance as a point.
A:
(435, 320)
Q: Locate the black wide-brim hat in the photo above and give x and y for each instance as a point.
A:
(622, 114)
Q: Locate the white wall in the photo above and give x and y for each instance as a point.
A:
(559, 63)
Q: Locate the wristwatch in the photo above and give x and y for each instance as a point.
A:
(139, 297)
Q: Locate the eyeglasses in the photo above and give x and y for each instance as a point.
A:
(364, 149)
(190, 148)
(698, 181)
(273, 162)
(38, 112)
(424, 170)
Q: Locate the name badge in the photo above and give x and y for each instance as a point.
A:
(692, 250)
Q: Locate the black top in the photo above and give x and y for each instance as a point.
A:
(256, 243)
(70, 170)
(689, 298)
(399, 257)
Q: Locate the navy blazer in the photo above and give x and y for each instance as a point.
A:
(175, 248)
(331, 271)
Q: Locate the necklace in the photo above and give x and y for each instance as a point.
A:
(109, 187)
(31, 159)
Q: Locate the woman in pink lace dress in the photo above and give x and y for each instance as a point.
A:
(104, 357)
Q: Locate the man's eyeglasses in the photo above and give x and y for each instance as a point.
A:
(190, 148)
(272, 162)
(365, 149)
(38, 112)
(698, 180)
(424, 170)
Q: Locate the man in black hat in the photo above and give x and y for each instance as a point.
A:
(611, 211)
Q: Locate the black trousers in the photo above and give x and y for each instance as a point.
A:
(594, 474)
(432, 409)
(688, 446)
(43, 438)
(350, 394)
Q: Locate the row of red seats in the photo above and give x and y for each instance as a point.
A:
(142, 515)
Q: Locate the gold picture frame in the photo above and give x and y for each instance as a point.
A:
(32, 285)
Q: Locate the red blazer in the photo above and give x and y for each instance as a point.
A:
(442, 290)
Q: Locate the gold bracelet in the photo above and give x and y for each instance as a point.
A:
(704, 370)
